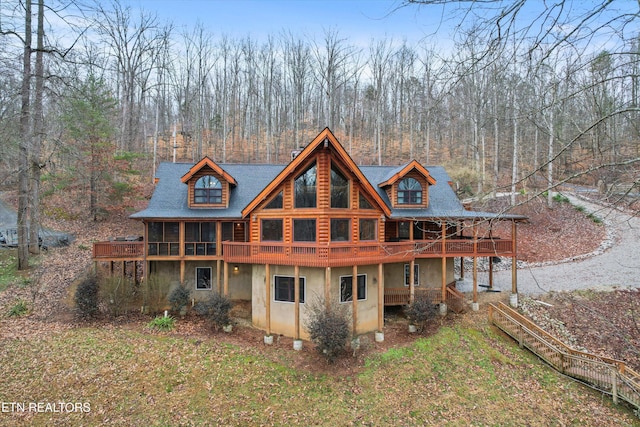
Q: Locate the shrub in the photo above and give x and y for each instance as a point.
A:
(329, 328)
(421, 311)
(179, 298)
(154, 293)
(19, 309)
(465, 177)
(560, 198)
(595, 218)
(215, 309)
(117, 293)
(162, 323)
(86, 297)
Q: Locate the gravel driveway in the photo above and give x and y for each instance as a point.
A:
(617, 265)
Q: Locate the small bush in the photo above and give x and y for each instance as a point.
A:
(117, 294)
(179, 298)
(421, 311)
(329, 328)
(558, 197)
(19, 309)
(215, 309)
(595, 218)
(162, 323)
(154, 293)
(86, 297)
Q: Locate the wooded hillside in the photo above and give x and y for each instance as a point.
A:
(519, 102)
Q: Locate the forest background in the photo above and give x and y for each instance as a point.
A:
(94, 95)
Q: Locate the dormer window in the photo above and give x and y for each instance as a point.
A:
(409, 192)
(208, 190)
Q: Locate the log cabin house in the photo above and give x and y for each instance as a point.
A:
(320, 226)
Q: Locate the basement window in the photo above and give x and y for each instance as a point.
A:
(284, 288)
(346, 288)
(203, 278)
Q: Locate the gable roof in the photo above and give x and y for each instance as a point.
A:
(170, 197)
(324, 137)
(254, 182)
(206, 161)
(403, 170)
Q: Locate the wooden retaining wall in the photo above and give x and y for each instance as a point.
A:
(604, 374)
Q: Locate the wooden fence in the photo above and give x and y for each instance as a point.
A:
(607, 375)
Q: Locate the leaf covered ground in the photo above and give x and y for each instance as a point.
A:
(460, 372)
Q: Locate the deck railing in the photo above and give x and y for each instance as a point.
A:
(607, 375)
(338, 254)
(311, 255)
(402, 296)
(118, 250)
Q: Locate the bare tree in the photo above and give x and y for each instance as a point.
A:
(380, 63)
(554, 30)
(25, 144)
(331, 73)
(132, 44)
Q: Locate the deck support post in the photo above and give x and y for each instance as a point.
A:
(490, 273)
(218, 282)
(443, 303)
(380, 298)
(354, 298)
(267, 287)
(182, 267)
(474, 305)
(513, 299)
(225, 279)
(327, 287)
(296, 302)
(461, 268)
(475, 267)
(412, 288)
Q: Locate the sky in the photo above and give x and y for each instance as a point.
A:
(357, 20)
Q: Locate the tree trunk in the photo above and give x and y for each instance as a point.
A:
(25, 146)
(38, 137)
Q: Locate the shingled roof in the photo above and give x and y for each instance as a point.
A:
(169, 200)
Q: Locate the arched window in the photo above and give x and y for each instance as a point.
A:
(208, 190)
(409, 192)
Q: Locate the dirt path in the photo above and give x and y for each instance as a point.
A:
(615, 267)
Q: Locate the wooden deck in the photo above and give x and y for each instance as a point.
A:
(118, 250)
(309, 255)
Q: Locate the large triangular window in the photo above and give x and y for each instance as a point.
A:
(339, 189)
(305, 188)
(275, 203)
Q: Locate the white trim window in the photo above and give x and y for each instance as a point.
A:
(346, 288)
(416, 274)
(284, 289)
(203, 278)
